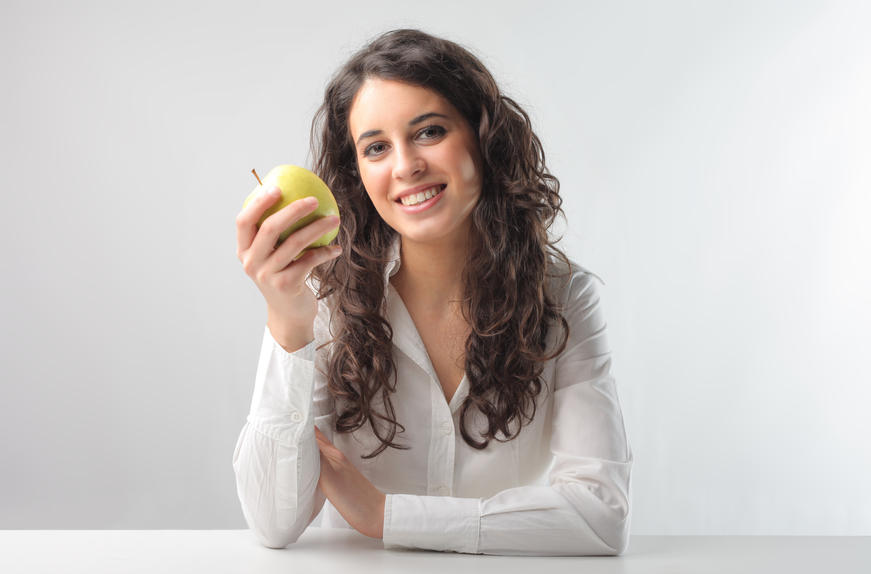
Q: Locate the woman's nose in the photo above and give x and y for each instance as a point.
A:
(407, 162)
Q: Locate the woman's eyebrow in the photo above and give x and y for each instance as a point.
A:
(415, 121)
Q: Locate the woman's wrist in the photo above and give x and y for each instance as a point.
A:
(379, 529)
(292, 340)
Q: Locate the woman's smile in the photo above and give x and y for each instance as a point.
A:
(416, 198)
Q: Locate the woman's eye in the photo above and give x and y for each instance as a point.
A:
(374, 149)
(431, 132)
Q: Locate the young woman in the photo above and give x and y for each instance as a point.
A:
(449, 387)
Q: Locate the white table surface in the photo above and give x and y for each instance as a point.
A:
(348, 552)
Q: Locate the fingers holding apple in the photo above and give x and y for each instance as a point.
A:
(293, 202)
(299, 243)
(248, 220)
(297, 183)
(259, 233)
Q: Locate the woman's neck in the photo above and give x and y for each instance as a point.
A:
(430, 275)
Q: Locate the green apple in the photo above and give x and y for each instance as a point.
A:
(297, 183)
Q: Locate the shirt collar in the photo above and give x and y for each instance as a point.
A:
(393, 255)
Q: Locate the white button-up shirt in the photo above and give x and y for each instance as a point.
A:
(562, 487)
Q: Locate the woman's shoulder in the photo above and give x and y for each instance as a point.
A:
(572, 282)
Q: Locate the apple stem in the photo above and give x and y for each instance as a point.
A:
(255, 175)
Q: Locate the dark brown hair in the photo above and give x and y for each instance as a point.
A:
(507, 299)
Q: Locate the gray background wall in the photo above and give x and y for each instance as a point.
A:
(715, 161)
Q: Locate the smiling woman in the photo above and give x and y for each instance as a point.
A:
(450, 386)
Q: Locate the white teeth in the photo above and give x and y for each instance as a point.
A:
(422, 196)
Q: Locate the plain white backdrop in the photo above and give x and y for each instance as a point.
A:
(715, 162)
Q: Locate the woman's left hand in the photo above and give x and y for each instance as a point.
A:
(356, 499)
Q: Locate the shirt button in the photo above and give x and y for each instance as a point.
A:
(444, 491)
(447, 428)
(296, 416)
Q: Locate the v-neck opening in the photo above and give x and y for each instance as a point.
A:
(410, 343)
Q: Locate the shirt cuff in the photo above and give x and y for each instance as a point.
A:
(282, 389)
(432, 523)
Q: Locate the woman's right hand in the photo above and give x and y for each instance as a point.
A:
(291, 306)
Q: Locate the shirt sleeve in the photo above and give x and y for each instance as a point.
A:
(585, 510)
(276, 460)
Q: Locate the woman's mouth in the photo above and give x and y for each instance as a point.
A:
(423, 200)
(417, 198)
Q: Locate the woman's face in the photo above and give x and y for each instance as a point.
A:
(411, 141)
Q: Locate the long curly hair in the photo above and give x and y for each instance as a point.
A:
(507, 299)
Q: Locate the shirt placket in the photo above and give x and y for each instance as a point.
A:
(440, 476)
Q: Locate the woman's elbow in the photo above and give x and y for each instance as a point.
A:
(275, 539)
(274, 544)
(272, 536)
(621, 545)
(617, 538)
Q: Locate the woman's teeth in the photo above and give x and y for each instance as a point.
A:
(422, 196)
